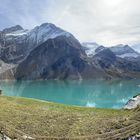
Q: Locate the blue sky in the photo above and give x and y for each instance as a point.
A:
(107, 22)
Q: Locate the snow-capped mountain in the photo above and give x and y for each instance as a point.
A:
(12, 29)
(16, 43)
(46, 31)
(42, 32)
(124, 51)
(49, 52)
(90, 48)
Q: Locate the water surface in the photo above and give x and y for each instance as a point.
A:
(95, 93)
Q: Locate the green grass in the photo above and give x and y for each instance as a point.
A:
(44, 119)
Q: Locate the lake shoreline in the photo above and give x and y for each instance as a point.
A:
(91, 93)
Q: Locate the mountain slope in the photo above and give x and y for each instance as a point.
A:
(115, 66)
(58, 58)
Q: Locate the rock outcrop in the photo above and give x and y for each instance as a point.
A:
(133, 102)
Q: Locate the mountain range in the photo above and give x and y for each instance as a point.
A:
(49, 52)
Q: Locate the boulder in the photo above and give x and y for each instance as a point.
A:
(133, 102)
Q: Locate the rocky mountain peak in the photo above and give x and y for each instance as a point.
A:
(48, 28)
(100, 48)
(12, 29)
(124, 51)
(46, 25)
(46, 31)
(121, 48)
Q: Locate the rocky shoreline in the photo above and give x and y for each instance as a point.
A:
(136, 137)
(133, 102)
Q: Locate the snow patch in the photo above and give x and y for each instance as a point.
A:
(134, 55)
(90, 48)
(46, 31)
(18, 33)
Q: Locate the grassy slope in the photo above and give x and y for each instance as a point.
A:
(39, 118)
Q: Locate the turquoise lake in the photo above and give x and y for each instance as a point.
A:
(94, 93)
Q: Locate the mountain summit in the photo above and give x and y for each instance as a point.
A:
(124, 51)
(12, 29)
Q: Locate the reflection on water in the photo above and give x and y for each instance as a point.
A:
(95, 93)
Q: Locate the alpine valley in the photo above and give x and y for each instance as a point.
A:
(49, 52)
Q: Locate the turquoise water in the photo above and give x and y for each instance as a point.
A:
(96, 93)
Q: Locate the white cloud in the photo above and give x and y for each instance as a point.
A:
(107, 22)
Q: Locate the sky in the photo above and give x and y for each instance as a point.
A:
(107, 22)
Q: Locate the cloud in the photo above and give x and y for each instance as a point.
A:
(107, 22)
